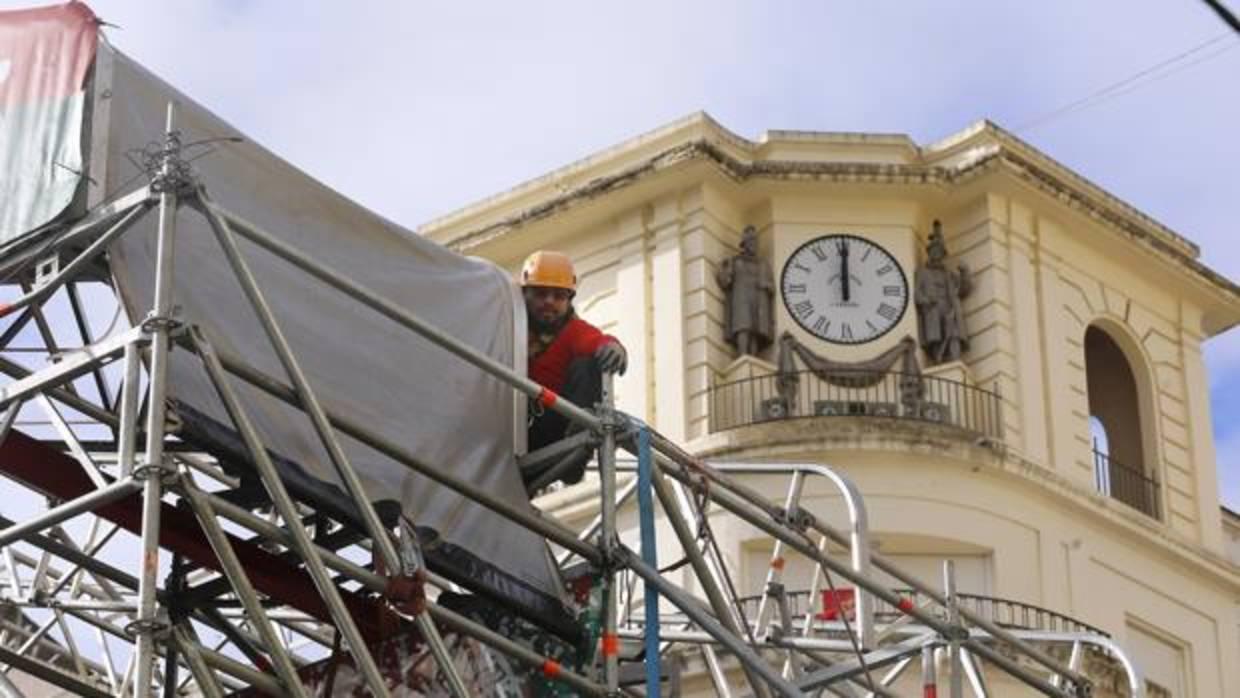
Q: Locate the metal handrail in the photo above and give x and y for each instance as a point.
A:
(856, 393)
(1130, 485)
(1005, 612)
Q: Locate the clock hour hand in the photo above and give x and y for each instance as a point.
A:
(842, 248)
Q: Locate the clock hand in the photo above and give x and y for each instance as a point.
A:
(842, 248)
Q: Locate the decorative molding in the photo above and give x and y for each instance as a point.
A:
(1007, 154)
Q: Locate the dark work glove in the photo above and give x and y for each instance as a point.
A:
(611, 358)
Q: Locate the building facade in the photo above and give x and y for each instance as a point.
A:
(1057, 448)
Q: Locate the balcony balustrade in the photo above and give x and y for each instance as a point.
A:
(1127, 484)
(891, 394)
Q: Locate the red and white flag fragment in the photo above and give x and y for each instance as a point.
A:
(45, 55)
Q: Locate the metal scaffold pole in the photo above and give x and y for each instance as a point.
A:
(300, 539)
(608, 539)
(152, 471)
(650, 555)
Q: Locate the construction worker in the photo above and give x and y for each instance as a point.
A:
(566, 354)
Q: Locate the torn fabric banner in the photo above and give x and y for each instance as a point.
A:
(45, 56)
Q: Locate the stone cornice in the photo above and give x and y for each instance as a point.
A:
(987, 148)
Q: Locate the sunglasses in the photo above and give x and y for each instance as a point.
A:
(557, 294)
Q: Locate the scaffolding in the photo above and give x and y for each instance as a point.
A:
(257, 592)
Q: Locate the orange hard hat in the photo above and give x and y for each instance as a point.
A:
(550, 269)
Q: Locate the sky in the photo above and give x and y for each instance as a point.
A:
(418, 108)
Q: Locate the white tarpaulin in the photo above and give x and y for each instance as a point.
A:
(45, 54)
(448, 413)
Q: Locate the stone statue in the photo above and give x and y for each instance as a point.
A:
(749, 289)
(937, 293)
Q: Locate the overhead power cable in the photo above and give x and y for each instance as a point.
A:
(1141, 78)
(1225, 14)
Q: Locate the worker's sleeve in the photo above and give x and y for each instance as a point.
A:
(587, 339)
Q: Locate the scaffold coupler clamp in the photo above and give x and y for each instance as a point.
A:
(170, 323)
(611, 421)
(956, 633)
(609, 418)
(627, 428)
(159, 627)
(406, 588)
(169, 172)
(774, 633)
(797, 517)
(164, 470)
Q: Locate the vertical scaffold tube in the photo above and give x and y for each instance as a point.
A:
(607, 537)
(159, 319)
(645, 504)
(929, 677)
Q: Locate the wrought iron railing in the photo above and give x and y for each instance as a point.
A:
(853, 393)
(1127, 484)
(1003, 612)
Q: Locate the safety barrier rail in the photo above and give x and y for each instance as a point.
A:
(1004, 612)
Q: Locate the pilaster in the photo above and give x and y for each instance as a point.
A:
(667, 314)
(633, 316)
(1201, 435)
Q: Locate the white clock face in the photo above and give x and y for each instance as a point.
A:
(844, 289)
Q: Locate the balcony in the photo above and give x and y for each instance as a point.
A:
(891, 394)
(1127, 484)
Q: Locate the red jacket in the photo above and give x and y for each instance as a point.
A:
(576, 339)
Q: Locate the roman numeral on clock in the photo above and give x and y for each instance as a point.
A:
(796, 288)
(889, 312)
(846, 331)
(822, 256)
(821, 325)
(803, 309)
(896, 291)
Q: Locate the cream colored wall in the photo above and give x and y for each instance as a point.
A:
(1041, 283)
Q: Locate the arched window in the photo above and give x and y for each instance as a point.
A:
(1115, 404)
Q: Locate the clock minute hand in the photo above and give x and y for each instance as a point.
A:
(842, 248)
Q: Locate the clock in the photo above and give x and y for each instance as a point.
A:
(844, 289)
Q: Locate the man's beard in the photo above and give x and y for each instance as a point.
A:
(543, 327)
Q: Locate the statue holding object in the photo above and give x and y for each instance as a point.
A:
(749, 291)
(937, 293)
